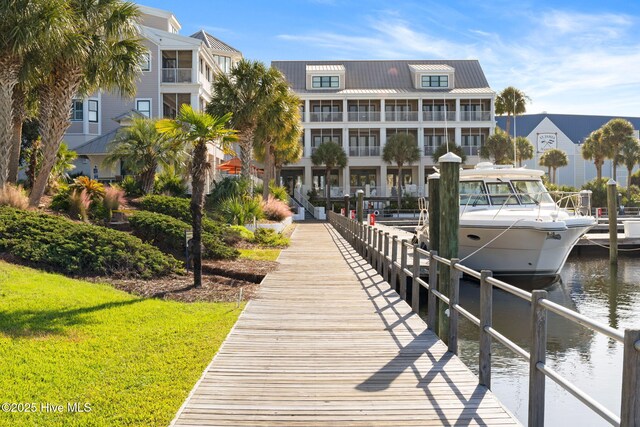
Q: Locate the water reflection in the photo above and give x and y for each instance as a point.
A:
(592, 361)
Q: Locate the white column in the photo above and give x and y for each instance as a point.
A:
(383, 179)
(421, 140)
(421, 181)
(345, 115)
(493, 111)
(458, 110)
(307, 143)
(307, 178)
(383, 139)
(458, 135)
(85, 116)
(420, 115)
(345, 140)
(346, 181)
(382, 118)
(194, 67)
(306, 111)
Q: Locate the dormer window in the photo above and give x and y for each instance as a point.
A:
(319, 82)
(435, 81)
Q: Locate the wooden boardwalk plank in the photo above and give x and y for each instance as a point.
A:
(326, 342)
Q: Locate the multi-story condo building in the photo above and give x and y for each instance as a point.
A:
(177, 70)
(360, 104)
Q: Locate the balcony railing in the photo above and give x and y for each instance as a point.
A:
(326, 117)
(401, 116)
(438, 116)
(365, 116)
(475, 116)
(364, 151)
(176, 75)
(471, 151)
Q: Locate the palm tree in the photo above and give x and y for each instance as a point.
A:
(100, 49)
(443, 149)
(524, 149)
(511, 101)
(401, 149)
(614, 134)
(498, 147)
(142, 149)
(245, 92)
(197, 130)
(285, 151)
(630, 156)
(554, 159)
(25, 26)
(331, 155)
(279, 124)
(594, 149)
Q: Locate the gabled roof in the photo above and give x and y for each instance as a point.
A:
(97, 145)
(395, 75)
(576, 127)
(214, 43)
(133, 113)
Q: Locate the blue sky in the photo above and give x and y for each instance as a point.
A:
(573, 57)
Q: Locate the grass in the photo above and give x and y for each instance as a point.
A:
(260, 254)
(132, 360)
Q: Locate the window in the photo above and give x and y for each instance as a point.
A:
(76, 110)
(435, 81)
(532, 192)
(93, 111)
(143, 106)
(501, 194)
(146, 62)
(472, 193)
(171, 103)
(224, 62)
(325, 82)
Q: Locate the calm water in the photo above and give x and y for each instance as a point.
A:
(592, 361)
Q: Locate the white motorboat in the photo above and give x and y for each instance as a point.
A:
(510, 224)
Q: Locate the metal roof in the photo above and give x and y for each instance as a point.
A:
(576, 127)
(214, 43)
(327, 67)
(385, 74)
(431, 67)
(97, 145)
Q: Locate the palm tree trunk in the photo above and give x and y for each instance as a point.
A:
(400, 182)
(629, 172)
(9, 69)
(599, 171)
(19, 114)
(246, 151)
(267, 170)
(508, 123)
(549, 174)
(327, 187)
(198, 175)
(615, 164)
(148, 179)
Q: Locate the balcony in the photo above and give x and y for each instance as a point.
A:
(428, 150)
(471, 151)
(357, 151)
(364, 116)
(326, 117)
(401, 116)
(475, 116)
(439, 116)
(176, 75)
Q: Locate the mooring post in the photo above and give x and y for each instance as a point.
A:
(486, 320)
(449, 219)
(403, 266)
(612, 210)
(432, 301)
(359, 205)
(630, 413)
(538, 356)
(454, 299)
(385, 263)
(380, 252)
(415, 286)
(394, 259)
(433, 209)
(374, 247)
(347, 205)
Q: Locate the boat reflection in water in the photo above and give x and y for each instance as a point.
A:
(590, 360)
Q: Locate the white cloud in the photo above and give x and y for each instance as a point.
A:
(566, 62)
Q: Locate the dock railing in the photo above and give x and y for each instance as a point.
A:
(381, 251)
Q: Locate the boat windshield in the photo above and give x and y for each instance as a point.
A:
(501, 194)
(531, 192)
(473, 193)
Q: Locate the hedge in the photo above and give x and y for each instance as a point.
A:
(167, 233)
(79, 249)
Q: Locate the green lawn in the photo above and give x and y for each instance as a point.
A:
(132, 360)
(260, 254)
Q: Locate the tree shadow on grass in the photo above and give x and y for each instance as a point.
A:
(41, 323)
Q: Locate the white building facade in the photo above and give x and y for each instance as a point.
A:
(360, 104)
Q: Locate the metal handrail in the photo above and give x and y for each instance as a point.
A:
(364, 238)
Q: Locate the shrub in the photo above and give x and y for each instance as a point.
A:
(228, 188)
(175, 207)
(269, 237)
(14, 196)
(278, 192)
(74, 248)
(168, 234)
(170, 185)
(79, 203)
(60, 201)
(113, 199)
(275, 209)
(245, 234)
(237, 211)
(94, 189)
(131, 187)
(598, 191)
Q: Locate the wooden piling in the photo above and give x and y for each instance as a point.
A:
(433, 210)
(359, 205)
(415, 286)
(454, 299)
(630, 412)
(394, 259)
(432, 301)
(486, 320)
(449, 216)
(538, 355)
(612, 208)
(403, 266)
(347, 205)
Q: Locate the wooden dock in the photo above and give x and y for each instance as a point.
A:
(328, 343)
